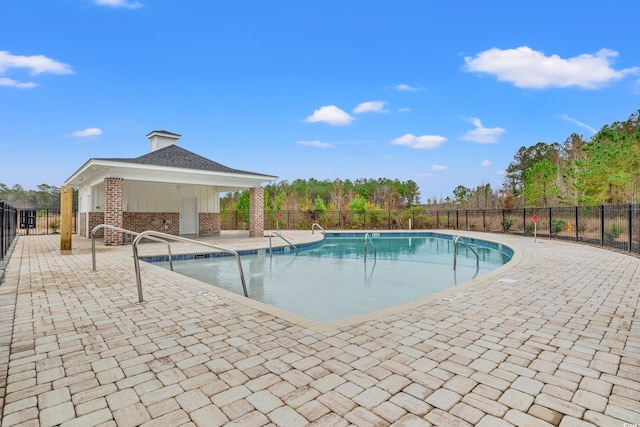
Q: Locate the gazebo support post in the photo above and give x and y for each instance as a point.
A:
(256, 212)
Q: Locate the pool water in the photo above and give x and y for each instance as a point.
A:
(332, 281)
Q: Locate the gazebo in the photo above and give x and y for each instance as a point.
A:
(169, 189)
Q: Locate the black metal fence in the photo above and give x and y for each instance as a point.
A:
(42, 221)
(613, 226)
(8, 227)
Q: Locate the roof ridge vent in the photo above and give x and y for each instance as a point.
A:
(161, 139)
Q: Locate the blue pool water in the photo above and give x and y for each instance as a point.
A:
(331, 280)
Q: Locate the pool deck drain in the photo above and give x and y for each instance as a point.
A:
(551, 339)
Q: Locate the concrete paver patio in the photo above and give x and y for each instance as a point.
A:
(553, 339)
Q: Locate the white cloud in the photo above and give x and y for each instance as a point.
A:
(317, 144)
(406, 88)
(119, 3)
(527, 68)
(485, 163)
(482, 134)
(36, 64)
(5, 81)
(436, 167)
(420, 142)
(330, 114)
(87, 132)
(404, 110)
(574, 121)
(371, 107)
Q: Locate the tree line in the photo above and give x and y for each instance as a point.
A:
(604, 169)
(45, 197)
(313, 195)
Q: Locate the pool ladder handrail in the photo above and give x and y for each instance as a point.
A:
(455, 251)
(316, 225)
(152, 233)
(125, 231)
(277, 233)
(375, 250)
(322, 230)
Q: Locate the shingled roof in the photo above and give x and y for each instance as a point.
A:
(177, 157)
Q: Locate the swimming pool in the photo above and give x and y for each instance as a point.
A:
(331, 280)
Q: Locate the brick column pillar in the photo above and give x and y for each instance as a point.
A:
(113, 213)
(256, 212)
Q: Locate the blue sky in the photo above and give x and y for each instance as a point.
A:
(442, 93)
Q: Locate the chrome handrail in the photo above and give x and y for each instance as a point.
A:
(313, 227)
(375, 251)
(148, 233)
(132, 233)
(282, 237)
(455, 251)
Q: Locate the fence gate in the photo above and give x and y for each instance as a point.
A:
(27, 219)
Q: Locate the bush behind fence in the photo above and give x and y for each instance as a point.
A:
(614, 226)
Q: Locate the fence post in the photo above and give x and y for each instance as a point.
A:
(577, 233)
(484, 220)
(3, 215)
(601, 225)
(629, 218)
(389, 218)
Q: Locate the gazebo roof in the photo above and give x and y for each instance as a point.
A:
(177, 157)
(168, 164)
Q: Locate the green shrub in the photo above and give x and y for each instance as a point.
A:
(54, 224)
(557, 226)
(506, 224)
(613, 231)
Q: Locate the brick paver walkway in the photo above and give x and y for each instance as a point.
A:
(551, 340)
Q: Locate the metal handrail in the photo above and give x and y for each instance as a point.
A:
(132, 233)
(282, 237)
(375, 251)
(313, 227)
(148, 233)
(455, 251)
